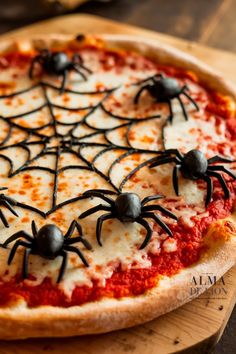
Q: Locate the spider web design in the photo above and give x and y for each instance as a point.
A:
(55, 137)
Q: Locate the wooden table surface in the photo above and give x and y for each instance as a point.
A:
(209, 22)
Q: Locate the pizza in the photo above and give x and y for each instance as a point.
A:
(118, 182)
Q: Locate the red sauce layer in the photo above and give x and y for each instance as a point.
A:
(131, 282)
(134, 281)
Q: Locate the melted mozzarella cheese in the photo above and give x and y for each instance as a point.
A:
(170, 245)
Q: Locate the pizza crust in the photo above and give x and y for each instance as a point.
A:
(19, 321)
(150, 48)
(112, 314)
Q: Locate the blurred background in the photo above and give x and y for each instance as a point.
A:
(209, 22)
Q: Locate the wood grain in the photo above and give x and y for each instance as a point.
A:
(223, 29)
(197, 325)
(210, 22)
(184, 18)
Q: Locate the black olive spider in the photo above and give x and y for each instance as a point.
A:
(163, 90)
(194, 165)
(128, 207)
(48, 242)
(58, 63)
(8, 203)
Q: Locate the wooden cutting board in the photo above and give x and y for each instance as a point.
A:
(198, 325)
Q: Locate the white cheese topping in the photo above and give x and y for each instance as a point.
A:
(170, 245)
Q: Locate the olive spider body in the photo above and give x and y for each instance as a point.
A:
(164, 90)
(49, 243)
(128, 207)
(59, 63)
(195, 166)
(56, 63)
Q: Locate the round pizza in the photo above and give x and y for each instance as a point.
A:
(118, 182)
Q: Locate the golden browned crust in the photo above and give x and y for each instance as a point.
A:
(148, 47)
(106, 315)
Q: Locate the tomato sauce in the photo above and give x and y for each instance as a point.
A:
(131, 282)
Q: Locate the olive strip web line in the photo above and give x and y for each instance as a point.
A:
(70, 141)
(49, 169)
(55, 186)
(48, 85)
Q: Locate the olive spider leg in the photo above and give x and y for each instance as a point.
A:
(3, 218)
(222, 169)
(86, 69)
(79, 72)
(171, 114)
(26, 262)
(140, 91)
(14, 249)
(97, 207)
(17, 235)
(77, 64)
(218, 158)
(64, 77)
(35, 60)
(74, 225)
(176, 152)
(94, 210)
(163, 138)
(100, 221)
(11, 201)
(68, 241)
(148, 237)
(152, 78)
(7, 204)
(184, 88)
(152, 197)
(157, 76)
(76, 59)
(79, 239)
(158, 221)
(183, 108)
(175, 179)
(32, 65)
(183, 91)
(104, 191)
(222, 182)
(163, 160)
(209, 183)
(63, 265)
(44, 52)
(34, 228)
(160, 208)
(78, 252)
(99, 195)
